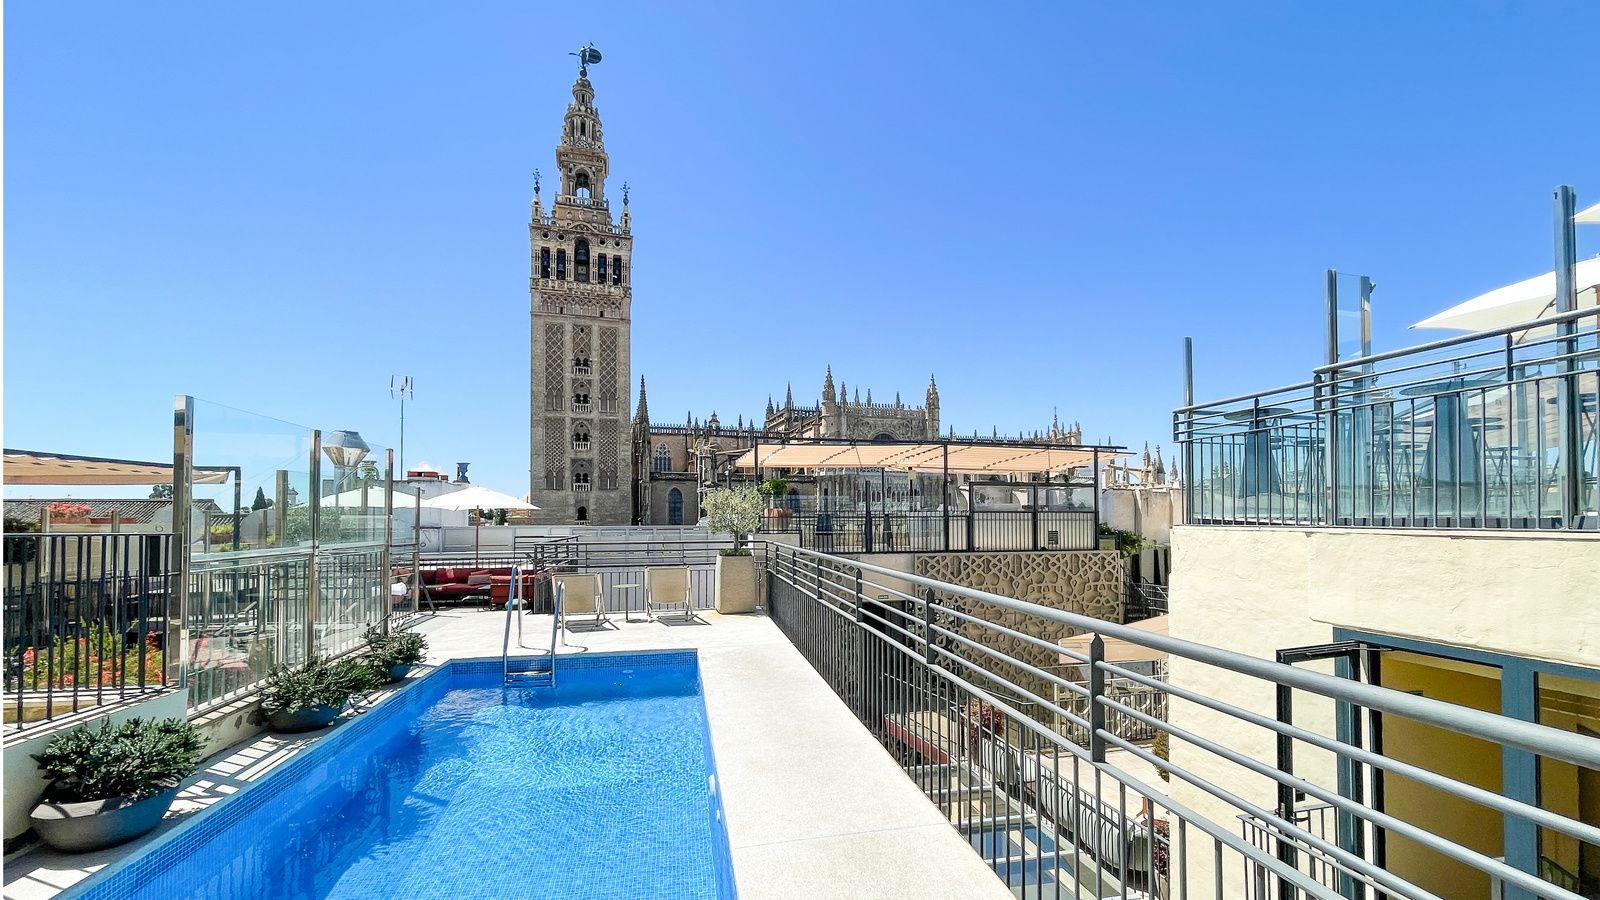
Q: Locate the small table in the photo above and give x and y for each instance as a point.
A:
(1260, 474)
(627, 586)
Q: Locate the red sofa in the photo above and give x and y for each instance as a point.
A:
(489, 585)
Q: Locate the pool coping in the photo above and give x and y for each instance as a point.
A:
(205, 824)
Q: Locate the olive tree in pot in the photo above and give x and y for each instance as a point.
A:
(111, 784)
(391, 655)
(777, 514)
(735, 511)
(311, 696)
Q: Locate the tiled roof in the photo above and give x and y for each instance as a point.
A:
(132, 511)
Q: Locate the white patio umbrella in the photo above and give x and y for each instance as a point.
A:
(476, 497)
(1590, 216)
(1525, 301)
(374, 499)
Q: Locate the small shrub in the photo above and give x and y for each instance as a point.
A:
(316, 684)
(397, 648)
(135, 759)
(1162, 747)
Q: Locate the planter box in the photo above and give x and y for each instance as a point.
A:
(92, 824)
(736, 584)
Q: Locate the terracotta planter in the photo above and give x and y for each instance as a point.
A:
(778, 518)
(93, 824)
(293, 721)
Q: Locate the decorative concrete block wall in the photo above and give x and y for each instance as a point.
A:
(1090, 583)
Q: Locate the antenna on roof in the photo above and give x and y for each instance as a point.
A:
(400, 386)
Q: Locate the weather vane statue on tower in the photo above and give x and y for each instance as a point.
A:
(588, 54)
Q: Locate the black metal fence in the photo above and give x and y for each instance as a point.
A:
(86, 621)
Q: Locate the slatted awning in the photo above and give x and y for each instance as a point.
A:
(34, 467)
(963, 458)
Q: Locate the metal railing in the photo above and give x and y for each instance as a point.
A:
(1145, 601)
(1490, 430)
(932, 531)
(86, 621)
(931, 678)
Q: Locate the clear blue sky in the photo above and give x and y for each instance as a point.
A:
(278, 206)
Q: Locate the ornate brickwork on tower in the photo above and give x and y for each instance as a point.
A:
(582, 312)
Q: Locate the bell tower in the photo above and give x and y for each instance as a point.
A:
(581, 305)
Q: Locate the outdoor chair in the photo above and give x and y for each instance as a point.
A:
(581, 595)
(667, 586)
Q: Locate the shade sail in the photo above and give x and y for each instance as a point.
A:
(1117, 649)
(963, 458)
(1590, 216)
(475, 497)
(35, 467)
(1525, 301)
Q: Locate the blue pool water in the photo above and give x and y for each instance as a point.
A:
(460, 787)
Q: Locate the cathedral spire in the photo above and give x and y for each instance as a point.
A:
(643, 415)
(788, 396)
(827, 387)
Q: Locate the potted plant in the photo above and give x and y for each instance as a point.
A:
(776, 490)
(735, 511)
(390, 656)
(111, 784)
(313, 695)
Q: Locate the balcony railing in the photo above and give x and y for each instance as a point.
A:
(1490, 430)
(582, 487)
(931, 531)
(580, 446)
(964, 688)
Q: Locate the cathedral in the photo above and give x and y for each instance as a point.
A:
(588, 463)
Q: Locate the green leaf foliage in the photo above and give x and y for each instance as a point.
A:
(396, 648)
(736, 511)
(136, 758)
(317, 683)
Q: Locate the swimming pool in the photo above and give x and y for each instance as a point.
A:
(460, 787)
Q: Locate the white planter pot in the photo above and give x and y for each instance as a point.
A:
(736, 584)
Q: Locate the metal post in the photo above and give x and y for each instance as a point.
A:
(1329, 398)
(175, 641)
(280, 506)
(866, 525)
(237, 487)
(1033, 515)
(1094, 536)
(314, 516)
(387, 566)
(1570, 431)
(927, 626)
(1097, 710)
(944, 494)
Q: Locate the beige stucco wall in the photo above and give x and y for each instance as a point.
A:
(1258, 590)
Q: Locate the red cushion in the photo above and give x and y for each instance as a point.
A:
(430, 576)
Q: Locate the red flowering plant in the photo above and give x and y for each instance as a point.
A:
(98, 656)
(62, 510)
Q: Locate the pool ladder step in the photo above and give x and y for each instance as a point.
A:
(542, 673)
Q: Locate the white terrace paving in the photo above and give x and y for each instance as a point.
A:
(815, 807)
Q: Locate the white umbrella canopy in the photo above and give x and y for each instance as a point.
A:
(1525, 301)
(352, 499)
(476, 497)
(1590, 216)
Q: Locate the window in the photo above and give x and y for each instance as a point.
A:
(675, 507)
(544, 262)
(581, 185)
(580, 402)
(601, 270)
(583, 514)
(580, 257)
(580, 481)
(581, 365)
(663, 459)
(561, 264)
(616, 270)
(580, 437)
